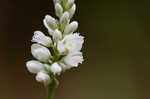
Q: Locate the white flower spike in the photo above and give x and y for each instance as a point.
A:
(62, 41)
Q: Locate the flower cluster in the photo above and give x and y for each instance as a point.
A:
(59, 51)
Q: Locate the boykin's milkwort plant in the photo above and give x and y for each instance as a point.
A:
(59, 51)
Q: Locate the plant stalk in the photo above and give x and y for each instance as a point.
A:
(51, 88)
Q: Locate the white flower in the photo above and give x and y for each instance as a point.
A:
(57, 35)
(69, 4)
(72, 27)
(40, 52)
(58, 9)
(73, 59)
(55, 68)
(43, 78)
(71, 43)
(63, 42)
(50, 23)
(40, 38)
(34, 66)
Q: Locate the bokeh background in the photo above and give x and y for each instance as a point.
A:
(116, 50)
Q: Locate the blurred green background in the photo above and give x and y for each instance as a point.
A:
(116, 50)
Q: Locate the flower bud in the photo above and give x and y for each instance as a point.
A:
(64, 20)
(72, 10)
(57, 35)
(43, 78)
(51, 32)
(58, 9)
(72, 27)
(34, 66)
(55, 68)
(40, 52)
(57, 1)
(69, 4)
(50, 22)
(40, 38)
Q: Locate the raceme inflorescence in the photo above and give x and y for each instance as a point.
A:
(60, 50)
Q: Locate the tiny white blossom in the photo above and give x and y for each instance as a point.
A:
(71, 43)
(42, 77)
(72, 10)
(50, 22)
(69, 4)
(57, 35)
(40, 38)
(55, 68)
(64, 20)
(58, 9)
(73, 59)
(40, 52)
(72, 27)
(34, 66)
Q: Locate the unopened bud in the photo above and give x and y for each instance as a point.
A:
(69, 4)
(50, 22)
(72, 11)
(34, 66)
(72, 27)
(57, 35)
(40, 38)
(58, 9)
(43, 78)
(64, 20)
(55, 68)
(40, 52)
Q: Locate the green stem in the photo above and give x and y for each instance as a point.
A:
(57, 55)
(51, 88)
